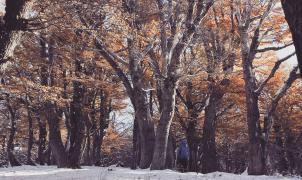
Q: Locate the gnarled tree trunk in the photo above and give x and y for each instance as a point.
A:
(55, 141)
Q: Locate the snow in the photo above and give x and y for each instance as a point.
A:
(115, 173)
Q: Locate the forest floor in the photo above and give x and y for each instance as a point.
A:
(114, 173)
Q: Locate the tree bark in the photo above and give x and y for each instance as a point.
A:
(193, 142)
(55, 141)
(77, 124)
(168, 92)
(256, 162)
(209, 159)
(10, 29)
(10, 143)
(293, 15)
(42, 141)
(30, 136)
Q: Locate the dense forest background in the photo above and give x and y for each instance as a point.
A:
(102, 82)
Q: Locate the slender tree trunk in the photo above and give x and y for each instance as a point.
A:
(87, 154)
(134, 145)
(42, 141)
(10, 143)
(30, 137)
(168, 93)
(290, 147)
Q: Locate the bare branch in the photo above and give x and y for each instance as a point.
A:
(110, 58)
(273, 72)
(276, 48)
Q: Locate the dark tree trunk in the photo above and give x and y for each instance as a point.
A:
(168, 92)
(77, 124)
(141, 103)
(280, 163)
(290, 147)
(42, 141)
(209, 158)
(87, 154)
(293, 15)
(10, 143)
(55, 141)
(209, 128)
(135, 145)
(105, 110)
(193, 142)
(145, 128)
(256, 160)
(30, 137)
(13, 24)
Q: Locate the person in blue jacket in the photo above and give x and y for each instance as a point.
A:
(182, 156)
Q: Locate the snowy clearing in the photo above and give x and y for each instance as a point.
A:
(114, 173)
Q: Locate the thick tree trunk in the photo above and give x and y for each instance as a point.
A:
(55, 141)
(145, 127)
(14, 23)
(293, 15)
(256, 162)
(77, 125)
(168, 92)
(209, 159)
(10, 143)
(193, 142)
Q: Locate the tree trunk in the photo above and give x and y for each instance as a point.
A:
(135, 144)
(209, 158)
(168, 92)
(256, 162)
(145, 127)
(30, 137)
(14, 23)
(77, 125)
(193, 142)
(170, 162)
(293, 15)
(87, 148)
(290, 147)
(10, 143)
(42, 141)
(55, 141)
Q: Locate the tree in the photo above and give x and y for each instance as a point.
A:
(293, 15)
(14, 22)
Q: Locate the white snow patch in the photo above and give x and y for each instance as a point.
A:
(114, 173)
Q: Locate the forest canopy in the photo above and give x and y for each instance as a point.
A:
(103, 82)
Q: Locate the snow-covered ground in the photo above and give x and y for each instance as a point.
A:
(114, 173)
